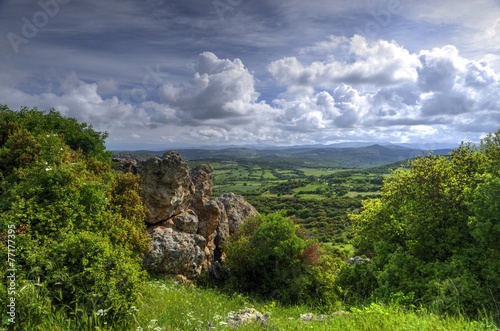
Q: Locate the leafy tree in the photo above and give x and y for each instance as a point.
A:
(433, 233)
(78, 136)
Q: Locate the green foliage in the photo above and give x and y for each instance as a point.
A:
(85, 270)
(434, 233)
(324, 219)
(268, 256)
(78, 136)
(263, 257)
(78, 226)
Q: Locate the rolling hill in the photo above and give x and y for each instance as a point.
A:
(309, 156)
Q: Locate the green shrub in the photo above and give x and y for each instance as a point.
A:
(268, 256)
(79, 226)
(85, 270)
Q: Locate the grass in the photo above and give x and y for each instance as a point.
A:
(318, 171)
(170, 306)
(259, 178)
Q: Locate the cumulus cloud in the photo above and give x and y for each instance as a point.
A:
(322, 111)
(378, 63)
(360, 90)
(386, 88)
(453, 85)
(107, 86)
(75, 98)
(221, 91)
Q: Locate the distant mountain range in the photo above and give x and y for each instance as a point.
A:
(348, 155)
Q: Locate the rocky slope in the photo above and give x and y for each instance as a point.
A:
(187, 226)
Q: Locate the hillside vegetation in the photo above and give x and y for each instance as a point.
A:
(73, 230)
(73, 236)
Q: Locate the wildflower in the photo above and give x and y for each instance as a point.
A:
(152, 324)
(101, 312)
(133, 310)
(48, 169)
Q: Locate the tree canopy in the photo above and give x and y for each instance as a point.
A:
(433, 233)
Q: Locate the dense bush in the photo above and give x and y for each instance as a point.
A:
(77, 225)
(78, 136)
(434, 233)
(269, 256)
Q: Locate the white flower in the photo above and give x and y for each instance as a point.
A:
(101, 312)
(48, 169)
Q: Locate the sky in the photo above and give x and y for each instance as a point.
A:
(161, 74)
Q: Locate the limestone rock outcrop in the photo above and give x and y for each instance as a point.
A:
(245, 316)
(174, 252)
(188, 228)
(203, 182)
(237, 209)
(166, 186)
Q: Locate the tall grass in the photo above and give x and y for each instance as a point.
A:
(167, 305)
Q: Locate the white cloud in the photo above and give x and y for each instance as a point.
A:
(76, 99)
(435, 92)
(221, 91)
(206, 133)
(107, 86)
(379, 63)
(377, 91)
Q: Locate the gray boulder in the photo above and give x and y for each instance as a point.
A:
(202, 179)
(173, 252)
(186, 221)
(166, 186)
(357, 259)
(237, 210)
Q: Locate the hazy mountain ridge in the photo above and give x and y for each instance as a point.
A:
(318, 155)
